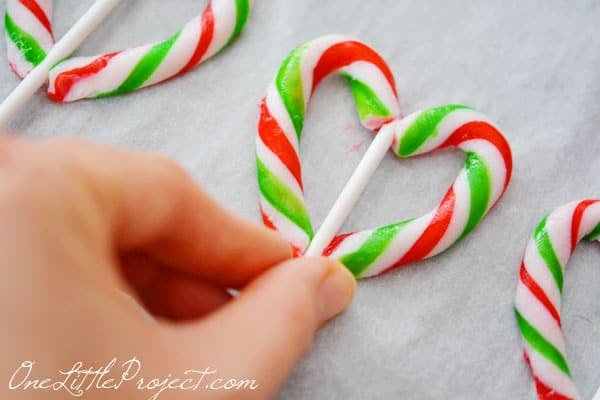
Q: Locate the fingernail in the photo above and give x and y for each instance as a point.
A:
(336, 291)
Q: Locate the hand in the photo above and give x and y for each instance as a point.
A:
(85, 228)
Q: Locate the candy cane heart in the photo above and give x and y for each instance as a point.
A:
(539, 292)
(479, 185)
(29, 37)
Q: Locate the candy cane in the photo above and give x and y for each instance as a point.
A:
(29, 34)
(71, 40)
(115, 73)
(478, 187)
(538, 298)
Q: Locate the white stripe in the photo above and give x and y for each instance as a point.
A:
(558, 226)
(590, 220)
(287, 228)
(280, 114)
(20, 64)
(372, 76)
(550, 375)
(351, 243)
(539, 272)
(538, 316)
(179, 55)
(494, 161)
(277, 167)
(108, 79)
(29, 23)
(460, 214)
(310, 58)
(225, 17)
(447, 126)
(404, 240)
(400, 128)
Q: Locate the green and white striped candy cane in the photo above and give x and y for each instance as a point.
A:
(125, 71)
(478, 187)
(539, 292)
(29, 34)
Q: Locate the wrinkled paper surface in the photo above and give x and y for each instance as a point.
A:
(440, 329)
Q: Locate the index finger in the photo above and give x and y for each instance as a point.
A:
(152, 204)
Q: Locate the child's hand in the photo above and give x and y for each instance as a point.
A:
(81, 225)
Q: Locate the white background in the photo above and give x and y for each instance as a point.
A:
(440, 329)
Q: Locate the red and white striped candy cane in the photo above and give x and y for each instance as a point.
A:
(29, 37)
(478, 187)
(538, 298)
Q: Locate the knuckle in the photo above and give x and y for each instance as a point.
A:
(171, 168)
(172, 175)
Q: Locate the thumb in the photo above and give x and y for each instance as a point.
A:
(264, 332)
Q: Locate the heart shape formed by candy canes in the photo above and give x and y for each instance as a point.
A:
(538, 298)
(29, 37)
(479, 185)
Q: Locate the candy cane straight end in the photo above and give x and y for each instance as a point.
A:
(63, 48)
(539, 295)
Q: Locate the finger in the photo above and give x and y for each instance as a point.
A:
(153, 205)
(265, 331)
(170, 294)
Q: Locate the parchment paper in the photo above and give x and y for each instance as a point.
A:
(440, 329)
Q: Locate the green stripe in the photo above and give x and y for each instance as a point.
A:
(242, 12)
(544, 246)
(144, 68)
(373, 247)
(423, 127)
(289, 85)
(480, 185)
(541, 344)
(32, 51)
(367, 102)
(593, 235)
(282, 198)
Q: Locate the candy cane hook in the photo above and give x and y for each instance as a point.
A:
(63, 48)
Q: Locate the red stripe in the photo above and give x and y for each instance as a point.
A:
(543, 391)
(335, 243)
(275, 139)
(576, 221)
(539, 293)
(36, 10)
(342, 54)
(546, 393)
(432, 234)
(267, 221)
(296, 252)
(207, 25)
(483, 130)
(65, 81)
